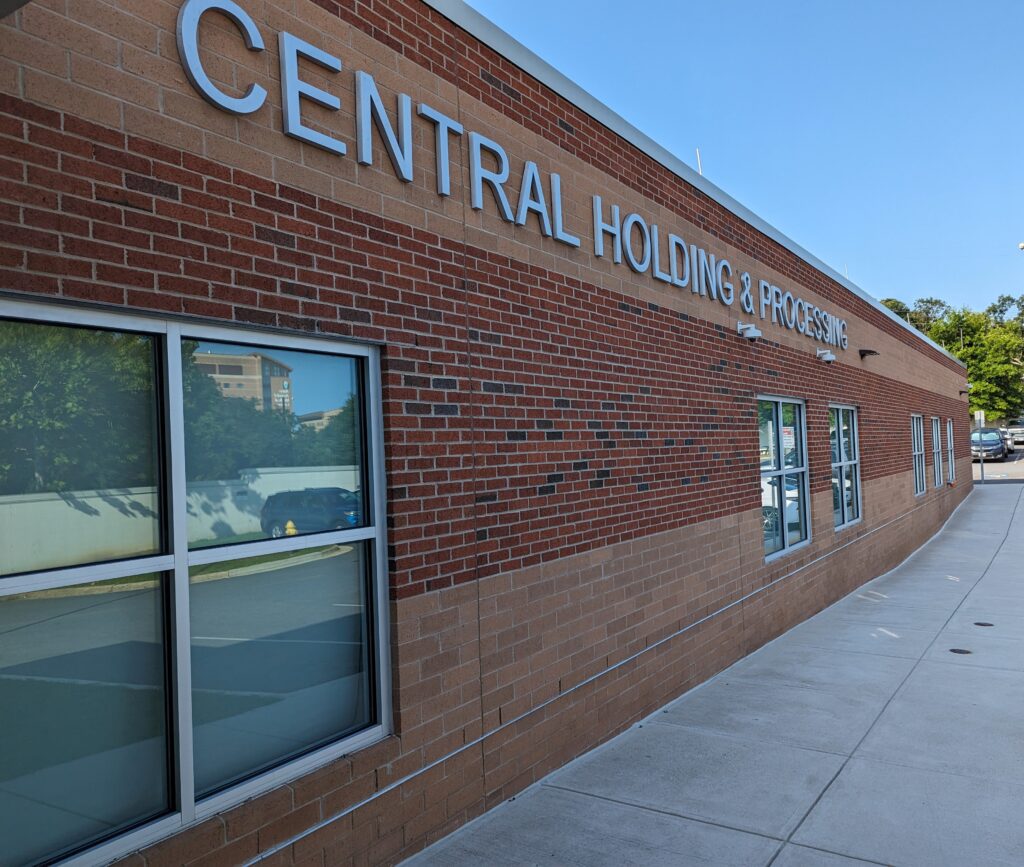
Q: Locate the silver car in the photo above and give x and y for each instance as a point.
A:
(1016, 429)
(1008, 440)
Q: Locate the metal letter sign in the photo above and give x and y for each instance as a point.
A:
(188, 48)
(619, 233)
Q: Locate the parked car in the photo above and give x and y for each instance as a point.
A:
(1016, 429)
(312, 510)
(1008, 440)
(988, 442)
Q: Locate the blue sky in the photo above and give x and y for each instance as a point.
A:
(884, 137)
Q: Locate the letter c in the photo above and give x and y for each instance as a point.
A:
(188, 48)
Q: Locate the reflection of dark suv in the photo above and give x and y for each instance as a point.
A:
(310, 511)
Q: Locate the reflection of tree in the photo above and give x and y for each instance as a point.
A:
(77, 409)
(224, 435)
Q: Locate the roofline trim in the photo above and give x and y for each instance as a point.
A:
(490, 34)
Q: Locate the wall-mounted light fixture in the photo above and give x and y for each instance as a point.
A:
(826, 355)
(748, 330)
(864, 353)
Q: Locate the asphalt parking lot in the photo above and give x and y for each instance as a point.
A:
(1010, 470)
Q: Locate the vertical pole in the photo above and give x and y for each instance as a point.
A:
(981, 449)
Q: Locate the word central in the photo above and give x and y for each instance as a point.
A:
(644, 247)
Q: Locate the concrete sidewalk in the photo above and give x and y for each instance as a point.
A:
(889, 728)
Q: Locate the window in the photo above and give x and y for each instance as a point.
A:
(212, 622)
(784, 498)
(937, 480)
(917, 446)
(950, 461)
(845, 447)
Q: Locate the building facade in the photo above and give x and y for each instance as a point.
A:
(560, 429)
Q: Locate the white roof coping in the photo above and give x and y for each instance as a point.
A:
(490, 34)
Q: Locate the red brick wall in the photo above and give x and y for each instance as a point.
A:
(571, 464)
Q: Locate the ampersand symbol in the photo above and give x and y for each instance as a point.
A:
(746, 299)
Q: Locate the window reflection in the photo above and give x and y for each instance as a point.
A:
(794, 510)
(83, 711)
(78, 446)
(792, 435)
(849, 448)
(280, 665)
(766, 435)
(771, 514)
(273, 442)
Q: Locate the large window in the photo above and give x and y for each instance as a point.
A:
(917, 448)
(784, 498)
(845, 447)
(937, 479)
(950, 460)
(192, 596)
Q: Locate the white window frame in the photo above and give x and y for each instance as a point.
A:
(849, 462)
(917, 451)
(937, 477)
(175, 565)
(803, 471)
(950, 454)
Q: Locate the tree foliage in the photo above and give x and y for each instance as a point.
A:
(897, 307)
(990, 343)
(79, 411)
(224, 435)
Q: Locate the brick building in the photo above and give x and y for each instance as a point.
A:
(609, 431)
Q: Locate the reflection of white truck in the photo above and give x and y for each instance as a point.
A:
(1016, 429)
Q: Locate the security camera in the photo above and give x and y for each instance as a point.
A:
(1020, 246)
(748, 330)
(826, 355)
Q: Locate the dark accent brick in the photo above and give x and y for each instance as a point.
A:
(151, 186)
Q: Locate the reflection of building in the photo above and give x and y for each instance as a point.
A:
(257, 377)
(320, 419)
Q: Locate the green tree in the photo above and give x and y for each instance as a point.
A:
(226, 434)
(926, 312)
(994, 354)
(77, 410)
(897, 307)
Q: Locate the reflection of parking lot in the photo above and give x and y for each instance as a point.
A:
(279, 663)
(1010, 470)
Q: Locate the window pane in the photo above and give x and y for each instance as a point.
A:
(794, 510)
(766, 435)
(849, 445)
(833, 435)
(792, 436)
(83, 711)
(280, 659)
(78, 446)
(837, 498)
(272, 442)
(850, 493)
(771, 514)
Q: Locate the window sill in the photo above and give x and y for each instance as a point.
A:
(777, 555)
